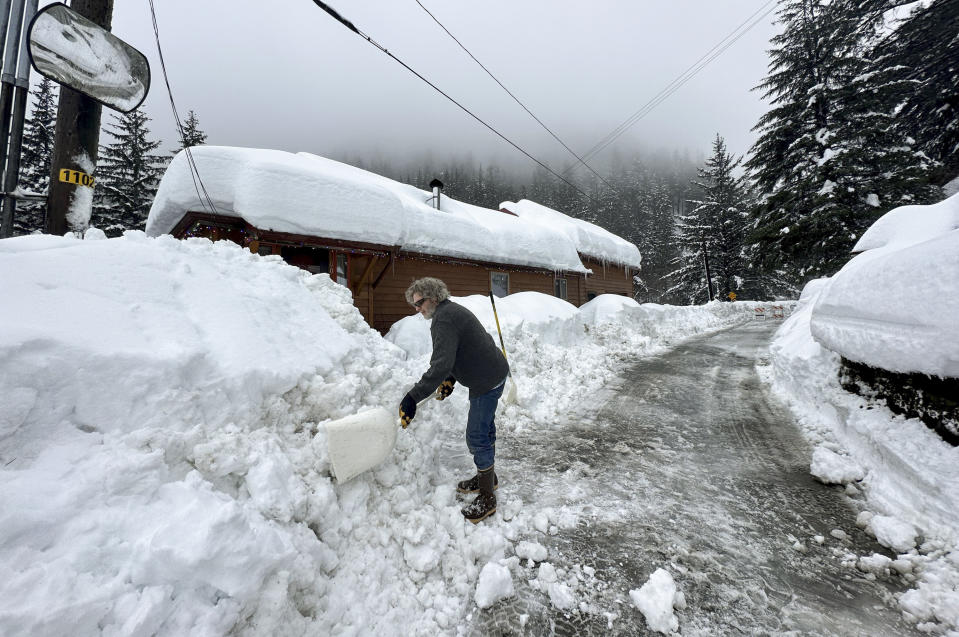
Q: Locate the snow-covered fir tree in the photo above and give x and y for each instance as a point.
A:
(688, 278)
(786, 159)
(128, 175)
(715, 227)
(924, 49)
(724, 207)
(655, 236)
(38, 134)
(829, 160)
(192, 135)
(870, 165)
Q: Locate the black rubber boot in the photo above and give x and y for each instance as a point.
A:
(485, 503)
(472, 485)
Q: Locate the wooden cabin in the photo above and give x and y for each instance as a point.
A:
(378, 273)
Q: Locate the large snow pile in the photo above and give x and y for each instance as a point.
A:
(909, 475)
(163, 464)
(895, 305)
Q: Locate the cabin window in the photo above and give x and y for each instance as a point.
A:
(342, 269)
(499, 283)
(215, 231)
(264, 250)
(313, 260)
(559, 288)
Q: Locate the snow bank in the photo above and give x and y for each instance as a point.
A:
(162, 448)
(551, 343)
(910, 475)
(152, 430)
(895, 305)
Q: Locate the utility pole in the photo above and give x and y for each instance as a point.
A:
(75, 146)
(709, 278)
(13, 100)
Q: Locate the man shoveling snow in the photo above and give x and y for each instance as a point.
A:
(463, 352)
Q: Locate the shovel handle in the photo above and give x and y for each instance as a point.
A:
(498, 330)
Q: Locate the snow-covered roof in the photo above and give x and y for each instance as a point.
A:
(895, 305)
(590, 240)
(306, 194)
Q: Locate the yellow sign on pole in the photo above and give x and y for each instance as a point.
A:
(76, 177)
(732, 296)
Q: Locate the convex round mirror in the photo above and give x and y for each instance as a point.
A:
(72, 50)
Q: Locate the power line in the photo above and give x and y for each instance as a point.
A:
(510, 93)
(680, 80)
(205, 199)
(349, 25)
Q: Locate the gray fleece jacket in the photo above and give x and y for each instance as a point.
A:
(461, 349)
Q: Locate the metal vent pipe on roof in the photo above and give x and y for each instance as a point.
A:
(437, 187)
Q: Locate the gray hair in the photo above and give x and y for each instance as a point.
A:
(428, 288)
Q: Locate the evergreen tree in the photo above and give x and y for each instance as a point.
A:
(128, 175)
(38, 134)
(829, 160)
(192, 135)
(688, 278)
(656, 239)
(715, 228)
(785, 161)
(925, 50)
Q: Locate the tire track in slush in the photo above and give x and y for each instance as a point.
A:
(687, 463)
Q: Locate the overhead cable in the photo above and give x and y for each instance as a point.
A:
(680, 80)
(516, 99)
(349, 25)
(205, 200)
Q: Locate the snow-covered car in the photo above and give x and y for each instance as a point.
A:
(891, 311)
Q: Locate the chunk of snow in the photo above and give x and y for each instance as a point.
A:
(655, 600)
(531, 550)
(561, 596)
(831, 468)
(893, 533)
(875, 563)
(495, 583)
(547, 573)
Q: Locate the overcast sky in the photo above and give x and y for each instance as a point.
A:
(285, 75)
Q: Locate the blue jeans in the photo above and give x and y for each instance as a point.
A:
(481, 427)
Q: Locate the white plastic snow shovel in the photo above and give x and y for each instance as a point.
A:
(510, 383)
(360, 442)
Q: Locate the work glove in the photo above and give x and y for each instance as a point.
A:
(445, 388)
(407, 410)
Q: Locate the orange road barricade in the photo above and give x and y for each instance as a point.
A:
(778, 312)
(760, 313)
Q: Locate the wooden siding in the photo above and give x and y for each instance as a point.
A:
(379, 275)
(462, 279)
(609, 278)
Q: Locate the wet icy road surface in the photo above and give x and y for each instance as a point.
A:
(689, 465)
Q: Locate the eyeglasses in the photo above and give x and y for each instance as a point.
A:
(418, 304)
